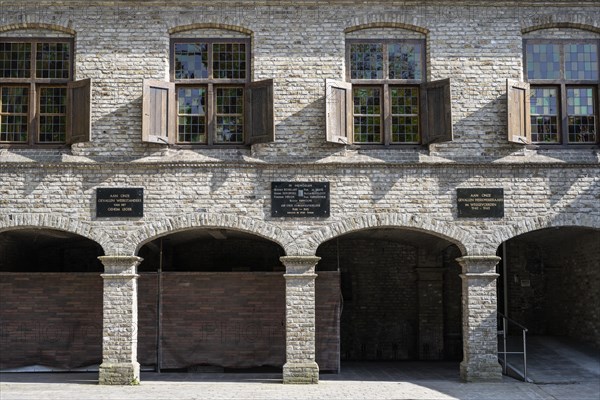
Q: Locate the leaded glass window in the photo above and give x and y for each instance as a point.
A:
(210, 75)
(34, 74)
(564, 90)
(385, 76)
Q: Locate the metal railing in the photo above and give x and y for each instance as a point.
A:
(502, 355)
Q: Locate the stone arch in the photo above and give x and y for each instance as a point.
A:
(37, 25)
(385, 24)
(561, 25)
(210, 25)
(417, 223)
(48, 221)
(165, 226)
(534, 224)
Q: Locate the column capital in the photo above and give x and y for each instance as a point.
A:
(120, 264)
(478, 264)
(298, 265)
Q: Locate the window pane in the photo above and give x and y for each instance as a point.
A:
(367, 115)
(581, 61)
(543, 61)
(366, 61)
(191, 112)
(229, 61)
(544, 115)
(53, 60)
(405, 61)
(13, 114)
(191, 61)
(581, 117)
(15, 60)
(230, 115)
(53, 110)
(405, 114)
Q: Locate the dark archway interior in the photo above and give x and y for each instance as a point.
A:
(50, 300)
(211, 250)
(401, 294)
(552, 282)
(48, 250)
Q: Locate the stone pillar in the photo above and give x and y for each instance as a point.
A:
(300, 366)
(479, 308)
(431, 313)
(120, 316)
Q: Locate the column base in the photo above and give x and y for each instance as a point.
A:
(481, 370)
(119, 374)
(301, 373)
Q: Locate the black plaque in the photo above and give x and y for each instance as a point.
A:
(300, 199)
(119, 202)
(480, 203)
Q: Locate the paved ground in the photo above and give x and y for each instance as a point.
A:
(356, 381)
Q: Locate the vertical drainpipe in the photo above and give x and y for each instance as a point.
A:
(159, 310)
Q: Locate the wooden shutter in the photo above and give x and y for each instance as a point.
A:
(517, 102)
(338, 111)
(260, 122)
(436, 111)
(158, 112)
(79, 107)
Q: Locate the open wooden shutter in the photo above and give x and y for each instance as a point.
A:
(79, 111)
(436, 111)
(260, 122)
(517, 102)
(338, 111)
(158, 112)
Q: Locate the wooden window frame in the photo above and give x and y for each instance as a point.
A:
(435, 102)
(211, 85)
(562, 84)
(384, 84)
(35, 84)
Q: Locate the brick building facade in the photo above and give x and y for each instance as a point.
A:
(396, 105)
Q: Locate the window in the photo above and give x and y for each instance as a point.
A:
(386, 100)
(210, 100)
(562, 88)
(39, 102)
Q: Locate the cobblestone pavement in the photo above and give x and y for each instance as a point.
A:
(361, 381)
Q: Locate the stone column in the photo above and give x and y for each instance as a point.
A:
(431, 313)
(120, 316)
(479, 308)
(300, 366)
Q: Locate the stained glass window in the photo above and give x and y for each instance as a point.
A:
(14, 109)
(191, 104)
(405, 114)
(191, 60)
(366, 61)
(544, 115)
(581, 115)
(405, 61)
(543, 61)
(15, 60)
(581, 61)
(367, 115)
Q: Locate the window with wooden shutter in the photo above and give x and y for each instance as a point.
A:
(517, 104)
(79, 97)
(260, 123)
(158, 112)
(436, 111)
(338, 111)
(562, 101)
(36, 92)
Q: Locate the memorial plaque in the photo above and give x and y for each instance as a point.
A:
(480, 203)
(300, 199)
(119, 202)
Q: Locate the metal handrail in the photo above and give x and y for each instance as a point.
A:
(505, 322)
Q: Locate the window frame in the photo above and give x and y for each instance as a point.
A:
(35, 86)
(562, 84)
(211, 84)
(386, 84)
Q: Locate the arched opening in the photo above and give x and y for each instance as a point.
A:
(211, 299)
(50, 301)
(400, 295)
(550, 284)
